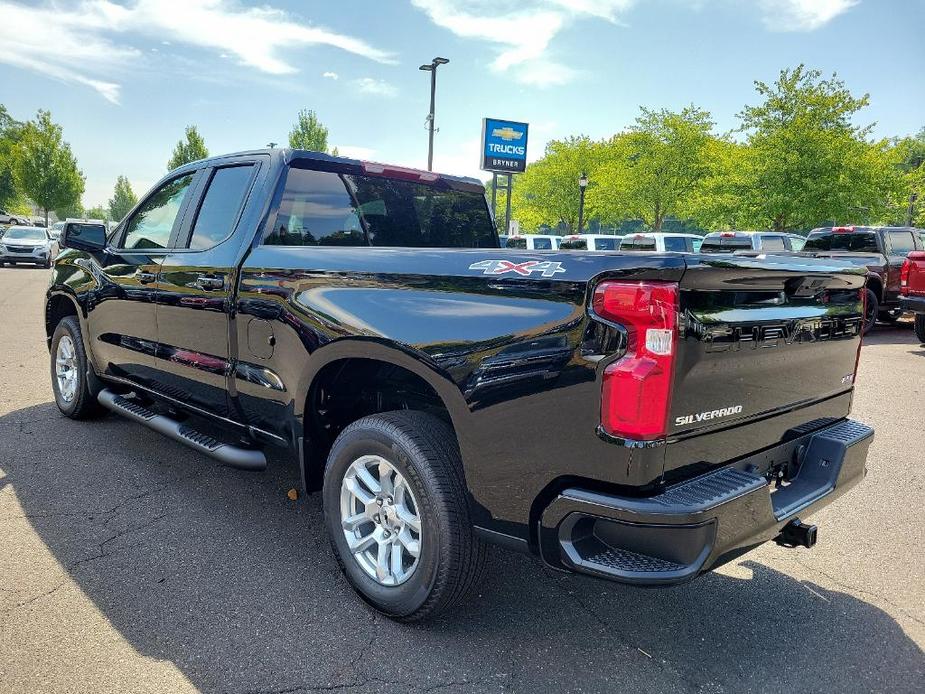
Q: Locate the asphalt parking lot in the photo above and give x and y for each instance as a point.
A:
(128, 563)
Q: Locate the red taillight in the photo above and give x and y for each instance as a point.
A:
(636, 391)
(904, 273)
(727, 234)
(842, 230)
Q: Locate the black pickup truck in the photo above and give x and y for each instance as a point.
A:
(879, 250)
(638, 418)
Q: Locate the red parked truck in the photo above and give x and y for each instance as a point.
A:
(912, 290)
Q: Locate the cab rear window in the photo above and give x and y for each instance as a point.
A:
(725, 244)
(858, 242)
(574, 244)
(638, 244)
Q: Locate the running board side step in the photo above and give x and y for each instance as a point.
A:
(233, 456)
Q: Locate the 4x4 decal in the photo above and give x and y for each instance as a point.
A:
(527, 268)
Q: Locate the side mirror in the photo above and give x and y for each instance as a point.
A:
(84, 237)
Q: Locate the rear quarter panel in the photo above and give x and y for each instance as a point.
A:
(502, 350)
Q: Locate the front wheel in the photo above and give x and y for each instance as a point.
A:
(396, 509)
(74, 394)
(871, 311)
(920, 327)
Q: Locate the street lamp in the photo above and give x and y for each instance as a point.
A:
(432, 69)
(582, 184)
(271, 145)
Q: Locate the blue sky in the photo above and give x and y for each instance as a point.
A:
(124, 78)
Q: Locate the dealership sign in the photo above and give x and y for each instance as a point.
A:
(504, 146)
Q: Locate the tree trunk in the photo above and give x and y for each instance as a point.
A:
(46, 217)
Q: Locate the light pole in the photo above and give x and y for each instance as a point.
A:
(271, 145)
(432, 69)
(910, 213)
(582, 184)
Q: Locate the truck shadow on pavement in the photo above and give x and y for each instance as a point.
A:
(218, 572)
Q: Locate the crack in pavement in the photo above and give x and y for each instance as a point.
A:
(863, 591)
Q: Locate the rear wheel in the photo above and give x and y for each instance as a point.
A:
(74, 394)
(396, 510)
(871, 311)
(890, 316)
(920, 327)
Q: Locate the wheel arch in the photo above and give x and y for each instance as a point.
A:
(403, 366)
(58, 305)
(875, 283)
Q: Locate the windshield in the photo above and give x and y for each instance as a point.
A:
(25, 234)
(858, 242)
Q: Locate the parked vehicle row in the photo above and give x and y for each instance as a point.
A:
(880, 251)
(283, 298)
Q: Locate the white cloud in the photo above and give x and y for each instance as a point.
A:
(368, 85)
(330, 75)
(802, 15)
(520, 31)
(78, 42)
(355, 152)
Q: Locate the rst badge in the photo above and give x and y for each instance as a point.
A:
(525, 269)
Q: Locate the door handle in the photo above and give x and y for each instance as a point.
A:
(146, 277)
(209, 283)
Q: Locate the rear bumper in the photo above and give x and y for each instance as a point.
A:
(915, 304)
(700, 524)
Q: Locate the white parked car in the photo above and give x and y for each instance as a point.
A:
(662, 242)
(532, 242)
(34, 245)
(591, 242)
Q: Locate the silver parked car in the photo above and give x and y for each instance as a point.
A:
(34, 245)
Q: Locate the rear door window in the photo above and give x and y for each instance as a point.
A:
(221, 206)
(901, 242)
(321, 208)
(677, 244)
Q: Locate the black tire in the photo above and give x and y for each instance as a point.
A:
(890, 316)
(871, 312)
(83, 405)
(919, 325)
(423, 449)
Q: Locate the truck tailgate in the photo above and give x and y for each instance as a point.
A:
(761, 337)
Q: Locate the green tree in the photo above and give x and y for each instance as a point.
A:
(75, 210)
(97, 212)
(191, 148)
(123, 200)
(309, 133)
(10, 133)
(547, 193)
(652, 171)
(44, 168)
(807, 161)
